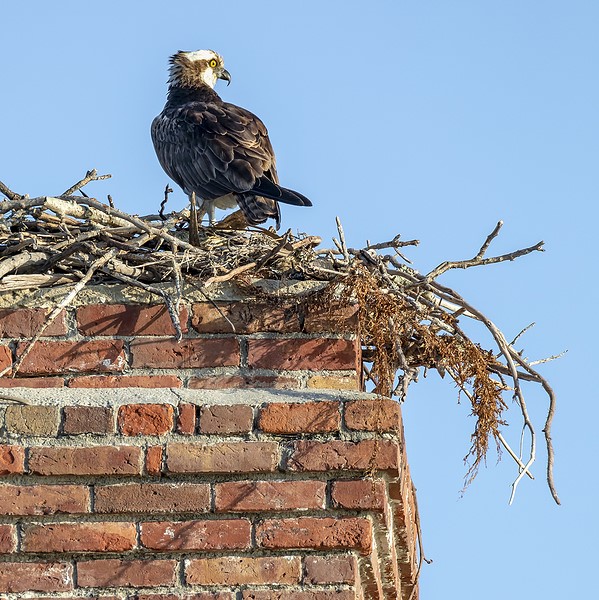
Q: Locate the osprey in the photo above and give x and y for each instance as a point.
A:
(217, 152)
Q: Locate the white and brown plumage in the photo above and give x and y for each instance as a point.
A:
(217, 152)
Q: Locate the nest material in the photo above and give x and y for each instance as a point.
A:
(408, 320)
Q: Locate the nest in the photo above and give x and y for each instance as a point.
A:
(408, 321)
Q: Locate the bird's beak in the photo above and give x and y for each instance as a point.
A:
(224, 74)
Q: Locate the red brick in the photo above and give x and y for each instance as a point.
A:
(79, 537)
(31, 382)
(125, 381)
(336, 318)
(301, 417)
(245, 317)
(186, 419)
(152, 498)
(27, 322)
(8, 538)
(72, 357)
(234, 457)
(88, 419)
(12, 459)
(224, 419)
(330, 569)
(146, 419)
(373, 415)
(119, 319)
(361, 494)
(315, 533)
(220, 382)
(301, 353)
(125, 573)
(5, 358)
(185, 596)
(195, 353)
(43, 499)
(154, 460)
(337, 455)
(298, 595)
(36, 577)
(251, 496)
(95, 460)
(243, 570)
(229, 534)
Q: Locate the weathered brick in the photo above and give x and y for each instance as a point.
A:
(186, 419)
(315, 533)
(229, 534)
(251, 496)
(221, 419)
(330, 569)
(301, 353)
(186, 596)
(360, 494)
(94, 460)
(30, 382)
(234, 457)
(79, 537)
(12, 459)
(72, 357)
(43, 499)
(5, 357)
(300, 417)
(373, 415)
(8, 539)
(309, 455)
(243, 570)
(195, 353)
(27, 322)
(32, 420)
(299, 595)
(332, 382)
(129, 319)
(244, 317)
(154, 460)
(146, 419)
(36, 577)
(125, 573)
(335, 318)
(152, 498)
(125, 381)
(219, 382)
(88, 419)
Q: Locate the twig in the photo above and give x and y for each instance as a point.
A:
(8, 192)
(167, 190)
(91, 175)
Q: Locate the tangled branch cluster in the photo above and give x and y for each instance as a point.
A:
(408, 320)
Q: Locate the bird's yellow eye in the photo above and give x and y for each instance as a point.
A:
(213, 63)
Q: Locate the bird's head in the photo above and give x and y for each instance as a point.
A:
(193, 69)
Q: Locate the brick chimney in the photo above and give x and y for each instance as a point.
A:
(242, 462)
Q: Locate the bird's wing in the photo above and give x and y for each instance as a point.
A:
(215, 149)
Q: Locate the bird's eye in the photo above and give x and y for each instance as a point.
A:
(213, 63)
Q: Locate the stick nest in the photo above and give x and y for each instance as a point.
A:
(408, 321)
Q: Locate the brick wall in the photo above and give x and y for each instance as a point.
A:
(189, 475)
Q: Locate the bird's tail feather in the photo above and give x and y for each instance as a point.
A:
(257, 209)
(268, 189)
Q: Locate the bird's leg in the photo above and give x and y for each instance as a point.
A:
(194, 237)
(211, 210)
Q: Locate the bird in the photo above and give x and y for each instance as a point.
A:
(218, 153)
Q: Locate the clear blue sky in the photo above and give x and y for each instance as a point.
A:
(433, 119)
